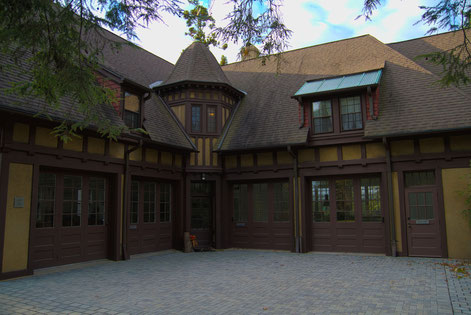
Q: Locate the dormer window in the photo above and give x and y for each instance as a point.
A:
(132, 110)
(337, 114)
(350, 110)
(322, 116)
(212, 126)
(195, 118)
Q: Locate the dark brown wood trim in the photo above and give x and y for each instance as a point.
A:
(33, 209)
(386, 213)
(15, 274)
(4, 171)
(441, 212)
(403, 216)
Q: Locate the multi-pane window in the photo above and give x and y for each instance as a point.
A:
(46, 200)
(96, 201)
(260, 198)
(419, 178)
(196, 118)
(322, 116)
(344, 200)
(350, 110)
(134, 202)
(421, 205)
(211, 111)
(72, 201)
(149, 202)
(132, 105)
(371, 200)
(320, 201)
(241, 203)
(165, 205)
(281, 202)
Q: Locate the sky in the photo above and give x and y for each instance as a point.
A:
(312, 22)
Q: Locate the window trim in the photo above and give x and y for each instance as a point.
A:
(141, 106)
(336, 115)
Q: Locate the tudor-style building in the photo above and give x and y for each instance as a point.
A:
(347, 146)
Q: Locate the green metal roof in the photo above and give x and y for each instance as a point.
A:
(340, 83)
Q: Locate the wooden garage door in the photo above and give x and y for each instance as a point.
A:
(262, 216)
(70, 222)
(150, 217)
(347, 215)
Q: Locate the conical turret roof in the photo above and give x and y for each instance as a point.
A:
(197, 64)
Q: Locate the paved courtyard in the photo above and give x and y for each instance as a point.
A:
(242, 282)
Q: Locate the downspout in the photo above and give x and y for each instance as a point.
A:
(390, 198)
(296, 200)
(125, 199)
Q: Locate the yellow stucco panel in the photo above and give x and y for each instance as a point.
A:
(96, 145)
(306, 155)
(152, 156)
(15, 252)
(166, 158)
(432, 145)
(375, 150)
(45, 137)
(230, 161)
(215, 155)
(180, 113)
(283, 157)
(397, 211)
(75, 144)
(460, 143)
(351, 152)
(458, 230)
(200, 149)
(207, 152)
(402, 147)
(246, 160)
(178, 160)
(327, 154)
(136, 155)
(193, 154)
(265, 158)
(117, 150)
(21, 133)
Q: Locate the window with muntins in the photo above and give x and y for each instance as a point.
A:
(149, 202)
(281, 202)
(165, 205)
(345, 200)
(322, 116)
(46, 200)
(371, 200)
(212, 127)
(196, 118)
(96, 201)
(72, 201)
(320, 201)
(350, 111)
(260, 196)
(134, 202)
(132, 109)
(241, 203)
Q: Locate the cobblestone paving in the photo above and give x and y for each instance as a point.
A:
(460, 292)
(240, 282)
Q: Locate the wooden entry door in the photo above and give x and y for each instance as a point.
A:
(423, 226)
(201, 220)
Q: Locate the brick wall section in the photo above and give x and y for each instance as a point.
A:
(305, 107)
(375, 104)
(115, 87)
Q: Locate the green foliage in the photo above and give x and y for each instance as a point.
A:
(197, 20)
(452, 15)
(223, 60)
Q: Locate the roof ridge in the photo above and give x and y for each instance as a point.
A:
(427, 36)
(135, 44)
(302, 48)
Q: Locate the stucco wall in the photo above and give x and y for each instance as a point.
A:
(458, 230)
(17, 220)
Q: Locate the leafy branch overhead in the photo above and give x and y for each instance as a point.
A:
(452, 15)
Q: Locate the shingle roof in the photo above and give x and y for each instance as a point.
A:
(197, 64)
(129, 62)
(409, 101)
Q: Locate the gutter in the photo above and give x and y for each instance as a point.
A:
(390, 198)
(296, 199)
(126, 193)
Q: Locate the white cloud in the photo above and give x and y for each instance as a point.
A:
(312, 22)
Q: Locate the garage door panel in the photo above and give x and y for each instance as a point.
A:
(356, 199)
(65, 200)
